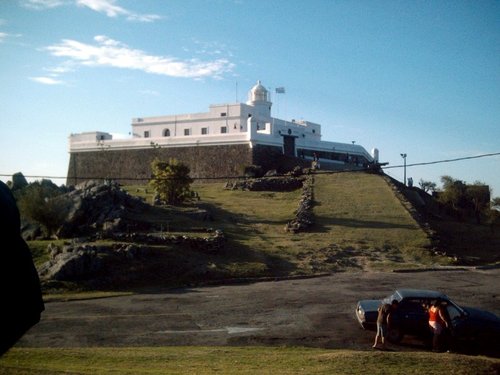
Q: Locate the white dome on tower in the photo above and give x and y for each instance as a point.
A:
(258, 93)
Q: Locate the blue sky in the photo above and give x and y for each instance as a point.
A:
(414, 77)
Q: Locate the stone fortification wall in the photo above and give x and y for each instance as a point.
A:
(271, 157)
(134, 166)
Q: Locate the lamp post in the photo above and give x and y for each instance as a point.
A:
(404, 162)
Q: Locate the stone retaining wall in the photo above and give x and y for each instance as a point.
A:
(134, 166)
(304, 217)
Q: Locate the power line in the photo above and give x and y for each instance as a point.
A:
(86, 178)
(444, 161)
(242, 177)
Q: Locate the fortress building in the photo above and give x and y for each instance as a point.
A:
(214, 144)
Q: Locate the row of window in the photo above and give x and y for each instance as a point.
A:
(339, 156)
(204, 131)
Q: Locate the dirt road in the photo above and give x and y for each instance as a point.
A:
(312, 312)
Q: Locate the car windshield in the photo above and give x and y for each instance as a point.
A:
(392, 297)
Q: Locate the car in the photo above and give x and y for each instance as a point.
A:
(467, 325)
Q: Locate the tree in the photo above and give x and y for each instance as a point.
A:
(18, 181)
(171, 180)
(463, 199)
(43, 203)
(495, 201)
(427, 185)
(453, 194)
(479, 197)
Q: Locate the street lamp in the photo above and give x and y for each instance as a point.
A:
(404, 160)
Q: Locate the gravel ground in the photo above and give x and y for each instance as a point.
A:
(315, 312)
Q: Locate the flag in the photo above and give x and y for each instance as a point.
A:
(280, 90)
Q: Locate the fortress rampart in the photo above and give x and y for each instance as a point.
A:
(133, 166)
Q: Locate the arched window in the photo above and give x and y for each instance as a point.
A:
(166, 133)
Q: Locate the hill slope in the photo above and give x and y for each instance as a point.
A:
(359, 225)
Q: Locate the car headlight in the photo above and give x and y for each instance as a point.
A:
(361, 313)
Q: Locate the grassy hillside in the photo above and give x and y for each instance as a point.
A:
(360, 216)
(359, 225)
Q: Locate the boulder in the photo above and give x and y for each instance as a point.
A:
(75, 264)
(95, 206)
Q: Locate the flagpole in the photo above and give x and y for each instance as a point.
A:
(279, 90)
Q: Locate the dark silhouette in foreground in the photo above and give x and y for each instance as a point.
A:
(20, 289)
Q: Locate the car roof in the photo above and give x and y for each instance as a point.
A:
(420, 293)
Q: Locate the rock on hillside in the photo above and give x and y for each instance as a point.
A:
(94, 206)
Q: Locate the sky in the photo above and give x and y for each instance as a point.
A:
(420, 78)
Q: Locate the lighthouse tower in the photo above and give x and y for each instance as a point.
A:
(258, 97)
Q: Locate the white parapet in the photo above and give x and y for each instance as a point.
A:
(82, 144)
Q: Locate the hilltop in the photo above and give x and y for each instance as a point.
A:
(361, 222)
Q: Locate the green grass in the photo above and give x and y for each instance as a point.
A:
(360, 225)
(39, 250)
(237, 360)
(360, 213)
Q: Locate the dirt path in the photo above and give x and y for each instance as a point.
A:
(313, 312)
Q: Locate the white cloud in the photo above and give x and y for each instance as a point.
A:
(4, 36)
(210, 48)
(109, 52)
(47, 80)
(42, 4)
(110, 9)
(143, 17)
(149, 92)
(61, 69)
(103, 6)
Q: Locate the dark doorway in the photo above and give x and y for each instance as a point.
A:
(288, 145)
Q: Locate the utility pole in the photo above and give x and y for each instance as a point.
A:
(404, 163)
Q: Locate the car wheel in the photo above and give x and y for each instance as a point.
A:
(395, 335)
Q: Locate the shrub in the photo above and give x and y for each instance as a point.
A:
(171, 180)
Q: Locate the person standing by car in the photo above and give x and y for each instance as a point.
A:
(438, 323)
(383, 323)
(383, 314)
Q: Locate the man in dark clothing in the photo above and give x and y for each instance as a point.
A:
(20, 289)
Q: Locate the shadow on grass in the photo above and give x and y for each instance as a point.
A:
(161, 267)
(177, 267)
(229, 219)
(325, 224)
